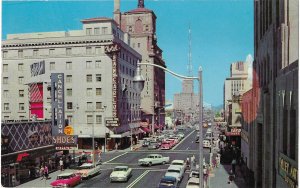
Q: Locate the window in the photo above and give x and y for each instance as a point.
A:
(6, 106)
(5, 67)
(88, 50)
(52, 65)
(22, 117)
(147, 27)
(89, 105)
(139, 45)
(88, 31)
(98, 91)
(20, 53)
(21, 93)
(89, 119)
(69, 105)
(98, 119)
(69, 65)
(104, 30)
(98, 77)
(69, 92)
(68, 51)
(89, 92)
(70, 119)
(21, 80)
(98, 105)
(97, 64)
(5, 80)
(35, 53)
(5, 93)
(89, 78)
(51, 52)
(97, 31)
(98, 50)
(88, 64)
(21, 107)
(4, 54)
(69, 79)
(20, 66)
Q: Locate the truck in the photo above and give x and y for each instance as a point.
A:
(153, 159)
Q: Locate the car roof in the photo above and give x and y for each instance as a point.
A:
(194, 180)
(121, 167)
(66, 174)
(177, 161)
(87, 164)
(169, 178)
(174, 167)
(153, 154)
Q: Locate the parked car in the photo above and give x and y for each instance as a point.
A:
(197, 139)
(195, 174)
(146, 143)
(176, 172)
(172, 142)
(179, 163)
(154, 159)
(120, 173)
(168, 182)
(88, 170)
(68, 179)
(153, 145)
(181, 135)
(206, 143)
(166, 145)
(193, 183)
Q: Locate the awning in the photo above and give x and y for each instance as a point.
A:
(146, 129)
(120, 135)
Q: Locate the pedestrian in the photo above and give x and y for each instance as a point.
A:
(193, 160)
(13, 180)
(61, 164)
(214, 163)
(188, 162)
(233, 163)
(46, 172)
(116, 146)
(42, 172)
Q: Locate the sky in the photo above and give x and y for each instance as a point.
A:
(222, 32)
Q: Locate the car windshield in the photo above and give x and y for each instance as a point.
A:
(173, 170)
(63, 177)
(195, 175)
(150, 156)
(167, 182)
(120, 169)
(193, 183)
(177, 163)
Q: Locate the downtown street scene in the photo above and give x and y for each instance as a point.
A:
(150, 94)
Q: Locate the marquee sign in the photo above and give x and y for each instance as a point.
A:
(288, 170)
(233, 132)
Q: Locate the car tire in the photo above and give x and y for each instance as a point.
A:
(150, 164)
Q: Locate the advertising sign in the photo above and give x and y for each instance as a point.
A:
(65, 140)
(112, 122)
(288, 170)
(20, 136)
(37, 68)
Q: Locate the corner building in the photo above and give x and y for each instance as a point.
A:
(97, 63)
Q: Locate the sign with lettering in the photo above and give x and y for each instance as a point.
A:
(112, 122)
(65, 140)
(233, 132)
(58, 101)
(288, 170)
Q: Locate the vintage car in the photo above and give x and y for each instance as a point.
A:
(168, 182)
(179, 163)
(181, 135)
(166, 145)
(88, 170)
(120, 173)
(153, 145)
(176, 172)
(172, 142)
(68, 179)
(154, 159)
(193, 183)
(195, 174)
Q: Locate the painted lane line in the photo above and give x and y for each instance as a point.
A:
(187, 148)
(183, 140)
(115, 158)
(138, 179)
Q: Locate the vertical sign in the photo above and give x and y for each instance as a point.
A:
(57, 100)
(114, 87)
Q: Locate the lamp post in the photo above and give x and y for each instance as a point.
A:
(139, 82)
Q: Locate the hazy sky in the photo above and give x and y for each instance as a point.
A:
(222, 32)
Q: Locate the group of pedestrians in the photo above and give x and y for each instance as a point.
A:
(44, 172)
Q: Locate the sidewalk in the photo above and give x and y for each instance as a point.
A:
(219, 176)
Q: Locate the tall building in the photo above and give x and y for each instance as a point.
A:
(98, 66)
(274, 134)
(140, 23)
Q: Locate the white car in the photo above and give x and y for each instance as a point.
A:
(154, 159)
(120, 173)
(193, 183)
(176, 172)
(206, 143)
(88, 170)
(194, 174)
(179, 163)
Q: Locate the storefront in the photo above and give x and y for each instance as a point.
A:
(233, 137)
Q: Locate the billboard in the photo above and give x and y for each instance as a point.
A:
(18, 136)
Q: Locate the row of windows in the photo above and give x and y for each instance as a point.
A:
(6, 93)
(89, 105)
(20, 80)
(145, 28)
(89, 92)
(6, 107)
(104, 31)
(51, 52)
(20, 67)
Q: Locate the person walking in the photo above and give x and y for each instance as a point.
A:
(233, 164)
(61, 164)
(42, 173)
(46, 172)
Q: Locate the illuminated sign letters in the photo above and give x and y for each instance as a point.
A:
(288, 170)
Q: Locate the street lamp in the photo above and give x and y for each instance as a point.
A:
(139, 83)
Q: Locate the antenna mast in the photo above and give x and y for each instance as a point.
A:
(190, 68)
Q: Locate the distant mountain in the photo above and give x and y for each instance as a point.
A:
(217, 108)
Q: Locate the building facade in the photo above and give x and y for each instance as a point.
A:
(98, 65)
(275, 126)
(140, 23)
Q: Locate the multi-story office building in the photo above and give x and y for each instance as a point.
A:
(140, 23)
(98, 65)
(274, 134)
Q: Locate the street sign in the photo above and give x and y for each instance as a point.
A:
(69, 130)
(112, 122)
